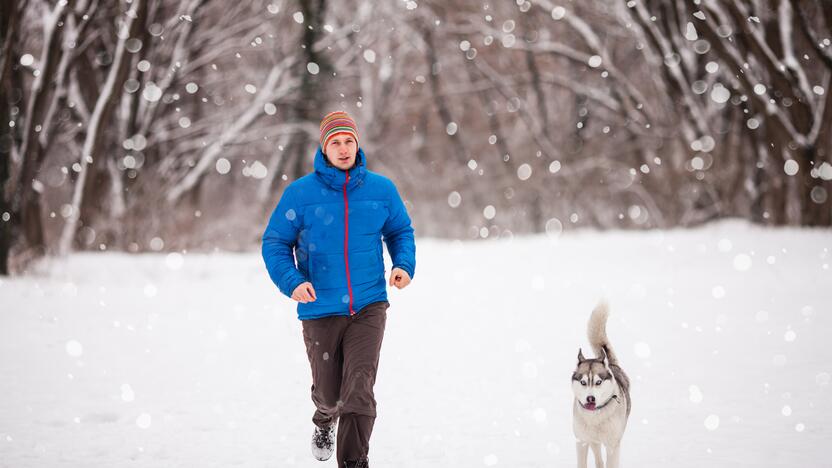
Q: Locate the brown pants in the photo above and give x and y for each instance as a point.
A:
(343, 352)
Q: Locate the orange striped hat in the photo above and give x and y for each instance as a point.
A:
(335, 123)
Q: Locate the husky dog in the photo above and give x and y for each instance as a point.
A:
(602, 397)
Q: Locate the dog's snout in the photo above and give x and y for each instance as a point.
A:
(590, 399)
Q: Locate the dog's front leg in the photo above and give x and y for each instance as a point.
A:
(612, 456)
(583, 453)
(596, 453)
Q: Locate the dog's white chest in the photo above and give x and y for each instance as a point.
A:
(605, 426)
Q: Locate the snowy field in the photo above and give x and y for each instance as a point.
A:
(112, 360)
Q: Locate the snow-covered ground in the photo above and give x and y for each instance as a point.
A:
(114, 360)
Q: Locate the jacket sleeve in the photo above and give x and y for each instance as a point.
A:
(398, 235)
(279, 242)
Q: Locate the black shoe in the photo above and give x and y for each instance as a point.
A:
(323, 442)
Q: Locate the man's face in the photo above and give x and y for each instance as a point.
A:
(341, 150)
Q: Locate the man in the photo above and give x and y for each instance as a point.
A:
(322, 248)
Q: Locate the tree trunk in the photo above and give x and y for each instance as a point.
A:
(94, 140)
(815, 203)
(311, 100)
(27, 197)
(9, 18)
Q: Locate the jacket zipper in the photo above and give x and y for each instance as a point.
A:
(346, 239)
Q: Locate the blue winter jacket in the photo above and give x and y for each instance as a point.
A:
(327, 229)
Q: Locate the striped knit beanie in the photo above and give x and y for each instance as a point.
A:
(335, 123)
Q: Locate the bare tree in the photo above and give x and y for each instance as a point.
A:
(522, 116)
(10, 17)
(134, 18)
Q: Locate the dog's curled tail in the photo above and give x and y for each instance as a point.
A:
(596, 331)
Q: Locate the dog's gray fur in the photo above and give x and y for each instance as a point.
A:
(601, 405)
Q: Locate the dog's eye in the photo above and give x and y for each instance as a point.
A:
(583, 382)
(597, 382)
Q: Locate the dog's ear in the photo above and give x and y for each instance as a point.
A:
(580, 356)
(604, 356)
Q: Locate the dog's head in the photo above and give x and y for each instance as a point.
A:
(592, 382)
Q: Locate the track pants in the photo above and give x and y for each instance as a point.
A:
(343, 352)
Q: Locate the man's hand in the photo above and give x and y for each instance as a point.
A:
(399, 278)
(304, 293)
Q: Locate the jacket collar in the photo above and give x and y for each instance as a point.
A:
(334, 177)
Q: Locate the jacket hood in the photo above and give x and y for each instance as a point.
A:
(334, 177)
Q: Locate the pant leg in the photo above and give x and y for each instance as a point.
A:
(354, 432)
(361, 346)
(322, 338)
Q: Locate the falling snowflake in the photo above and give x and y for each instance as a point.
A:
(152, 93)
(157, 244)
(642, 350)
(742, 262)
(223, 166)
(127, 393)
(554, 167)
(143, 421)
(554, 228)
(489, 212)
(720, 94)
(724, 245)
(695, 394)
(74, 348)
(712, 422)
(174, 260)
(454, 199)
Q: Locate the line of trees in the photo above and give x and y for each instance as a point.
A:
(174, 124)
